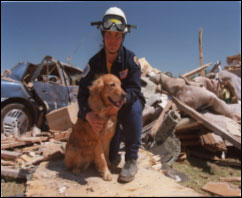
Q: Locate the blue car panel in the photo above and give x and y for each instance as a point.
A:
(39, 88)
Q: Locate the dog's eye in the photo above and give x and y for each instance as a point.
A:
(112, 85)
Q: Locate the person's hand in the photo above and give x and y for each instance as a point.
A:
(95, 122)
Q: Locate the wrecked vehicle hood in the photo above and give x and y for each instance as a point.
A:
(18, 71)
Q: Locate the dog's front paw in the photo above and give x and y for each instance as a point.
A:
(107, 176)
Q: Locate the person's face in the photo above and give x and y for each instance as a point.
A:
(113, 40)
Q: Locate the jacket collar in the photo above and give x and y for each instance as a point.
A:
(120, 55)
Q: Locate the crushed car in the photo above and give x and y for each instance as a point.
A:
(30, 91)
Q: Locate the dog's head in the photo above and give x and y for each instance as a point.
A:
(108, 88)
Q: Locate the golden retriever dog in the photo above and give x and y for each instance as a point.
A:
(85, 145)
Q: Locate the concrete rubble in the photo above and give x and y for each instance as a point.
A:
(195, 115)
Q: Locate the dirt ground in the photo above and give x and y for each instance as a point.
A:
(51, 179)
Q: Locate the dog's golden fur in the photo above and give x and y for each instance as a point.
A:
(85, 145)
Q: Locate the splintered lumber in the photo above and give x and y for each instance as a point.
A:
(7, 163)
(222, 189)
(213, 142)
(31, 148)
(230, 179)
(32, 139)
(9, 155)
(215, 67)
(14, 173)
(61, 136)
(12, 145)
(159, 121)
(195, 71)
(187, 125)
(21, 141)
(147, 128)
(236, 141)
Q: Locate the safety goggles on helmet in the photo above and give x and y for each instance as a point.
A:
(113, 22)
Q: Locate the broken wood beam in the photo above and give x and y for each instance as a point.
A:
(201, 51)
(7, 163)
(195, 71)
(14, 173)
(9, 155)
(12, 145)
(223, 189)
(62, 135)
(213, 142)
(159, 121)
(188, 125)
(236, 141)
(230, 179)
(32, 139)
(31, 148)
(215, 67)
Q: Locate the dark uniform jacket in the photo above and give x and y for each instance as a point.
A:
(125, 67)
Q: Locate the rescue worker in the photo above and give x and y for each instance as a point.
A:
(114, 58)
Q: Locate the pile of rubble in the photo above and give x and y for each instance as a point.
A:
(192, 114)
(20, 155)
(189, 115)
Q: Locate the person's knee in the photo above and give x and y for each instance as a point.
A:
(134, 109)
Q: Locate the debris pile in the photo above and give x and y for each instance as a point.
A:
(19, 155)
(204, 112)
(188, 115)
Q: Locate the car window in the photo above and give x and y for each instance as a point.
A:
(50, 74)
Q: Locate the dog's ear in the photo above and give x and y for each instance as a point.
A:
(97, 86)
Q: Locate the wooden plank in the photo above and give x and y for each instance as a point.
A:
(159, 121)
(7, 163)
(12, 145)
(213, 142)
(62, 135)
(14, 173)
(212, 126)
(215, 67)
(30, 148)
(21, 141)
(195, 71)
(187, 125)
(32, 139)
(230, 179)
(223, 189)
(201, 51)
(9, 155)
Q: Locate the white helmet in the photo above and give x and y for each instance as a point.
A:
(116, 11)
(114, 19)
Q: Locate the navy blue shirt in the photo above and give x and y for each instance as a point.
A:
(125, 67)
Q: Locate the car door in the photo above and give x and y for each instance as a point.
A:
(50, 86)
